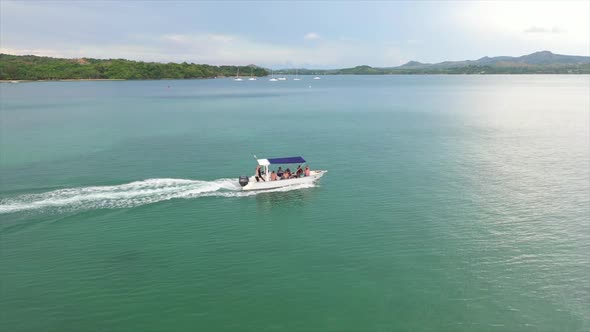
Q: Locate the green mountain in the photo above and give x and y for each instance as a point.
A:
(543, 62)
(539, 58)
(415, 65)
(30, 67)
(543, 58)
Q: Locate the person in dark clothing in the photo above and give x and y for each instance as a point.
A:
(259, 175)
(280, 172)
(299, 172)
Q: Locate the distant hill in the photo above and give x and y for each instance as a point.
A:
(543, 58)
(415, 64)
(30, 67)
(543, 62)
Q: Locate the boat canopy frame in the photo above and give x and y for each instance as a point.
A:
(284, 160)
(275, 161)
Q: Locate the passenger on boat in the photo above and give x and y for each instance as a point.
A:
(307, 171)
(258, 174)
(299, 172)
(287, 174)
(280, 173)
(273, 176)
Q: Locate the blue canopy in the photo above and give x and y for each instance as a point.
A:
(287, 160)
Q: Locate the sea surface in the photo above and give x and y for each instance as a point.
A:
(452, 203)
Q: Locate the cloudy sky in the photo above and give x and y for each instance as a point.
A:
(315, 34)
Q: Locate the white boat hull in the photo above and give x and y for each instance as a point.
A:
(264, 185)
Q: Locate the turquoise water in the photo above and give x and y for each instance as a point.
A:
(452, 203)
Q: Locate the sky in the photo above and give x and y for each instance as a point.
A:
(288, 34)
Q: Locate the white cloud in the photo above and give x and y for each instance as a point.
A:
(559, 26)
(558, 30)
(33, 51)
(174, 38)
(536, 29)
(311, 36)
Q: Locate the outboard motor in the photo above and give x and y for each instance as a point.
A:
(243, 181)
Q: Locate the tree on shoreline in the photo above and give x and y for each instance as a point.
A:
(30, 67)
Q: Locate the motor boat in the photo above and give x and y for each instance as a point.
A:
(261, 183)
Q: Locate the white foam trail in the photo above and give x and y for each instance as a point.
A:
(129, 194)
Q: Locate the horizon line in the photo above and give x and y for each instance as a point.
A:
(283, 68)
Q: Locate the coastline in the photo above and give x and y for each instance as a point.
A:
(64, 80)
(221, 77)
(103, 79)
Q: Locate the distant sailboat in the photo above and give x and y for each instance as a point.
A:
(282, 78)
(252, 78)
(238, 78)
(272, 75)
(317, 78)
(296, 75)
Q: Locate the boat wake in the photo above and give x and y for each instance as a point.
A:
(129, 195)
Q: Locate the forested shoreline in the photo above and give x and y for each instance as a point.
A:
(36, 68)
(30, 67)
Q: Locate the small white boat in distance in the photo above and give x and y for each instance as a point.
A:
(255, 183)
(238, 78)
(252, 78)
(272, 76)
(317, 78)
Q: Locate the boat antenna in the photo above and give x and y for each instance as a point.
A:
(255, 156)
